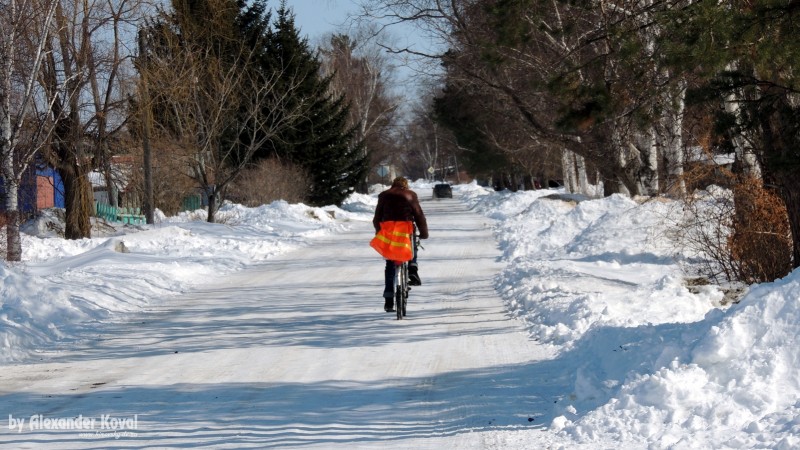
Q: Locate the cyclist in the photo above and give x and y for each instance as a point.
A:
(399, 204)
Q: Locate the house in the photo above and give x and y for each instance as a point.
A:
(49, 188)
(40, 188)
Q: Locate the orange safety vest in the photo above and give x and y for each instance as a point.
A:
(393, 242)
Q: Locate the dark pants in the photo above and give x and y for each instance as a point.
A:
(389, 272)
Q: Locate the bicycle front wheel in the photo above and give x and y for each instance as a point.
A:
(401, 290)
(398, 303)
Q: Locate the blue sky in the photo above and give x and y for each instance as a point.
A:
(318, 17)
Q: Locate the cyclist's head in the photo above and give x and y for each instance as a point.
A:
(400, 182)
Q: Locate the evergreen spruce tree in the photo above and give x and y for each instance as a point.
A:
(318, 139)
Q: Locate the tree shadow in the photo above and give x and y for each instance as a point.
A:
(291, 415)
(363, 413)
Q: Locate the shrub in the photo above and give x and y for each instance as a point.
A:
(270, 180)
(740, 234)
(760, 242)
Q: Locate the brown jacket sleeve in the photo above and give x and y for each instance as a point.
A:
(419, 216)
(378, 217)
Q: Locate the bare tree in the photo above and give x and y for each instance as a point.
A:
(221, 110)
(83, 77)
(24, 29)
(424, 140)
(363, 75)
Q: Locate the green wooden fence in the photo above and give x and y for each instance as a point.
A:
(130, 216)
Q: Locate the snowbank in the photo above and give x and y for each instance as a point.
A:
(652, 364)
(574, 265)
(732, 382)
(62, 284)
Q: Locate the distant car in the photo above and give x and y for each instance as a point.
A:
(442, 191)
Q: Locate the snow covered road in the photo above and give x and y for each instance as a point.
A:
(298, 353)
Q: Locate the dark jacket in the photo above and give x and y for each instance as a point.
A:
(400, 204)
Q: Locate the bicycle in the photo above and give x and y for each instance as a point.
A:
(401, 287)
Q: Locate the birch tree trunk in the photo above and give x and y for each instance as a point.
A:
(671, 137)
(11, 185)
(743, 144)
(568, 170)
(583, 179)
(24, 30)
(621, 156)
(645, 150)
(13, 249)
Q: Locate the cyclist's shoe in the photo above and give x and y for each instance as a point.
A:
(388, 305)
(413, 277)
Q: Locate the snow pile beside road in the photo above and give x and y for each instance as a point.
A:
(31, 313)
(651, 363)
(63, 283)
(733, 384)
(573, 265)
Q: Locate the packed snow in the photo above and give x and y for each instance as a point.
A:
(652, 362)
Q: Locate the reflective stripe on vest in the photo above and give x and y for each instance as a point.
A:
(393, 241)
